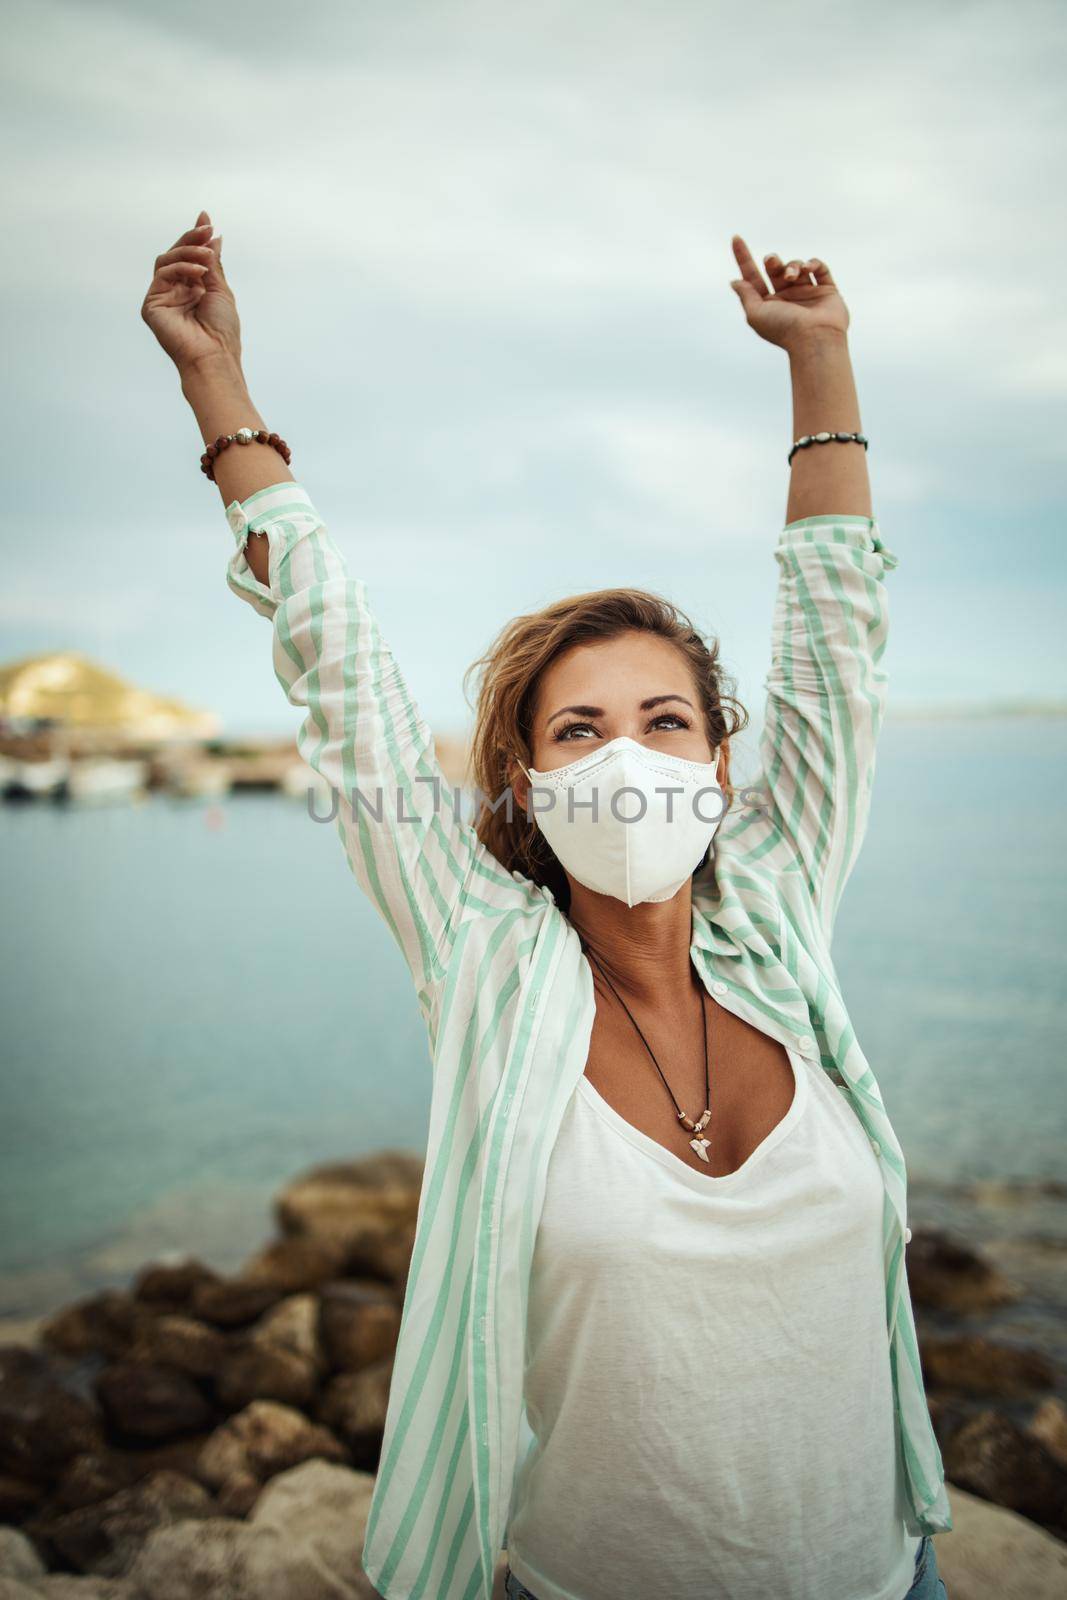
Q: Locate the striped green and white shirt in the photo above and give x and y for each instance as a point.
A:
(507, 998)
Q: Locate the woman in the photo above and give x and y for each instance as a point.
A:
(657, 1338)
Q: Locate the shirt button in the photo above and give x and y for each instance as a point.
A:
(876, 1147)
(907, 1235)
(718, 988)
(807, 1046)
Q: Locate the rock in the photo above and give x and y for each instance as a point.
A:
(230, 1303)
(60, 1586)
(181, 1342)
(1015, 1191)
(945, 1274)
(95, 1476)
(142, 1400)
(264, 1439)
(296, 1263)
(21, 1330)
(258, 1370)
(361, 1204)
(325, 1506)
(384, 1254)
(98, 1475)
(42, 1424)
(1049, 1426)
(217, 1559)
(990, 1552)
(171, 1285)
(19, 1498)
(948, 1411)
(18, 1557)
(358, 1324)
(302, 1542)
(106, 1537)
(237, 1496)
(992, 1457)
(981, 1366)
(102, 1324)
(293, 1325)
(354, 1407)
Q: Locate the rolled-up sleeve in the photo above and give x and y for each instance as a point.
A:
(826, 694)
(283, 512)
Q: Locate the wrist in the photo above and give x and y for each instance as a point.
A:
(220, 370)
(815, 342)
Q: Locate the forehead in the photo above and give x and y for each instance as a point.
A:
(609, 671)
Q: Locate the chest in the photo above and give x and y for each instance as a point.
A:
(750, 1076)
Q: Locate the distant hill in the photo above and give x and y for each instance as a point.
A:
(79, 694)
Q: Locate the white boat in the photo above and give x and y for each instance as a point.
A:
(33, 780)
(99, 778)
(298, 778)
(198, 779)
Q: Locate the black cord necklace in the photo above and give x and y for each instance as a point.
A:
(699, 1144)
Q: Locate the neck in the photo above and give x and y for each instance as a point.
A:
(642, 948)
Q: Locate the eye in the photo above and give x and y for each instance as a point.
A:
(561, 733)
(665, 717)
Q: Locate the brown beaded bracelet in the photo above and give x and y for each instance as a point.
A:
(242, 436)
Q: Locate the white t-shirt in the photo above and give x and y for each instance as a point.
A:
(706, 1358)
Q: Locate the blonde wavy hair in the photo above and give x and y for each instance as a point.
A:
(507, 677)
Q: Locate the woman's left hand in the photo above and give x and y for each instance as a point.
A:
(802, 299)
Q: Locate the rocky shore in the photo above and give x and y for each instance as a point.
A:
(216, 1436)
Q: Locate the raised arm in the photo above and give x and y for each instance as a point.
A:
(422, 866)
(419, 863)
(827, 687)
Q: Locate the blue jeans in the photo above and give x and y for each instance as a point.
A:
(926, 1585)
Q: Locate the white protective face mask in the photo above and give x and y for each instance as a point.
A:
(629, 821)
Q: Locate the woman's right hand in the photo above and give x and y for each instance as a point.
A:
(189, 305)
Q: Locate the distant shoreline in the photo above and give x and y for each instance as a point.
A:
(974, 713)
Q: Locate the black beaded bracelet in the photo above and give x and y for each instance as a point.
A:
(825, 438)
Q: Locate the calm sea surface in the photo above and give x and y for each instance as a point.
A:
(198, 1003)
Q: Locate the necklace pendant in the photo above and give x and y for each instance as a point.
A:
(701, 1147)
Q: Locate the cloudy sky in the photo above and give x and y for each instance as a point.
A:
(482, 256)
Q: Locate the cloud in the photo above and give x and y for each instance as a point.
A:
(482, 257)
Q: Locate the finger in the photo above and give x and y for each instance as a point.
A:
(775, 270)
(750, 298)
(200, 233)
(796, 272)
(749, 270)
(180, 271)
(217, 270)
(175, 292)
(821, 273)
(187, 252)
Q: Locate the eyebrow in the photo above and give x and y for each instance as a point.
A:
(598, 711)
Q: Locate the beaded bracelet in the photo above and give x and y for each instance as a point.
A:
(242, 436)
(824, 438)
